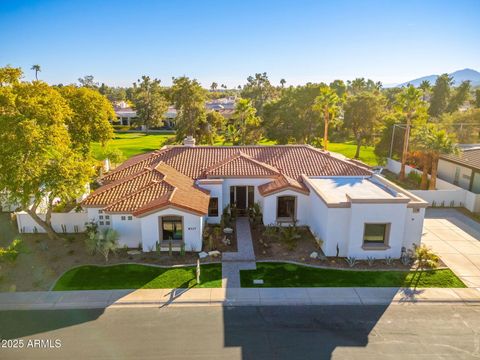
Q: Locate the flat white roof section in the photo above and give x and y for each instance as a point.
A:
(343, 189)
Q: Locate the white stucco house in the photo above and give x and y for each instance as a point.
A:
(462, 170)
(170, 194)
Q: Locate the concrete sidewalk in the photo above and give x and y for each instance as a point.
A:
(235, 297)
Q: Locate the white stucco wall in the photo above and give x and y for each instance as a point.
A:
(216, 190)
(73, 222)
(447, 170)
(413, 227)
(192, 232)
(394, 214)
(228, 182)
(270, 207)
(130, 231)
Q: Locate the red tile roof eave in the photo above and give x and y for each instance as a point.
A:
(284, 188)
(168, 204)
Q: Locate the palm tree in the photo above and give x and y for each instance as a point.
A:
(425, 87)
(439, 142)
(409, 102)
(37, 69)
(283, 82)
(214, 86)
(106, 242)
(327, 103)
(421, 144)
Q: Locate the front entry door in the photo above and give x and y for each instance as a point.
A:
(241, 197)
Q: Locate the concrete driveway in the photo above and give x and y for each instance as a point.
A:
(456, 238)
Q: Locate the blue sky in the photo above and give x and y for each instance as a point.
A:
(225, 41)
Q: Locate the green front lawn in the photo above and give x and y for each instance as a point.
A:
(291, 275)
(133, 276)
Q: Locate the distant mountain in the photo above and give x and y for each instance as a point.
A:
(458, 77)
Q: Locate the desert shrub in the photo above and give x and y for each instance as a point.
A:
(11, 252)
(289, 236)
(425, 257)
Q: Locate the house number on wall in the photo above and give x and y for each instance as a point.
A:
(192, 228)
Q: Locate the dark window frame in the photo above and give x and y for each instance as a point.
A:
(376, 243)
(213, 210)
(280, 207)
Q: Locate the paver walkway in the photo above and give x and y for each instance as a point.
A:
(456, 239)
(242, 259)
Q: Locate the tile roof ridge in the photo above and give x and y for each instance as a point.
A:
(239, 154)
(129, 162)
(116, 183)
(136, 193)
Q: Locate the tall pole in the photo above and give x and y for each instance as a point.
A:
(391, 142)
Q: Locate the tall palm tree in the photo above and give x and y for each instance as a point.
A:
(439, 142)
(327, 103)
(409, 103)
(425, 87)
(421, 144)
(283, 82)
(37, 69)
(214, 86)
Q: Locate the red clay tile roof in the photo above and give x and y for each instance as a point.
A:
(240, 165)
(151, 189)
(290, 160)
(167, 177)
(282, 182)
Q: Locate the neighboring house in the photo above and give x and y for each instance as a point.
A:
(462, 170)
(227, 103)
(126, 116)
(170, 194)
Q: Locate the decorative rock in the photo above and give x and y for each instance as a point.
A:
(214, 253)
(226, 241)
(134, 252)
(228, 231)
(202, 255)
(258, 281)
(314, 255)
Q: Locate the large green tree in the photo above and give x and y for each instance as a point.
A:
(440, 95)
(189, 98)
(246, 123)
(88, 81)
(149, 102)
(90, 117)
(259, 90)
(10, 75)
(464, 124)
(292, 117)
(327, 103)
(459, 96)
(37, 162)
(362, 114)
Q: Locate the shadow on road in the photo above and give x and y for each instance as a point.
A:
(17, 324)
(290, 332)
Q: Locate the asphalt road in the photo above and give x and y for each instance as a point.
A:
(311, 332)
